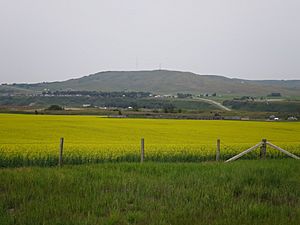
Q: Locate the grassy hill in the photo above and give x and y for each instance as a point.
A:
(169, 82)
(15, 89)
(292, 84)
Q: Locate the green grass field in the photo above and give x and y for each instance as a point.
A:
(34, 139)
(245, 192)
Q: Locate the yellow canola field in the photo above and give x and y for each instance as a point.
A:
(34, 139)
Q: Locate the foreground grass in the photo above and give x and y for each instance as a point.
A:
(244, 192)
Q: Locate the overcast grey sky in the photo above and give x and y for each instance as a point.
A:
(47, 40)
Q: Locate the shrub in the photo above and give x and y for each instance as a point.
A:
(55, 107)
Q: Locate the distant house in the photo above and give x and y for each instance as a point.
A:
(86, 105)
(272, 117)
(292, 118)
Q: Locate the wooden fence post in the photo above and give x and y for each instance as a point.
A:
(218, 150)
(142, 149)
(263, 149)
(60, 160)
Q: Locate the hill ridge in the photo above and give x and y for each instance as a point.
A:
(169, 82)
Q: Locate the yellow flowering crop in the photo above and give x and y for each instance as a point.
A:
(34, 139)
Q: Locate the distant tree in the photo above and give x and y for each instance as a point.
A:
(169, 108)
(55, 107)
(182, 95)
(245, 97)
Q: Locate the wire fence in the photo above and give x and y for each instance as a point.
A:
(45, 153)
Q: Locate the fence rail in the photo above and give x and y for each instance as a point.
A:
(146, 154)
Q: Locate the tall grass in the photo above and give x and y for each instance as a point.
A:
(245, 192)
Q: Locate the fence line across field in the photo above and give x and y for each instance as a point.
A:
(106, 143)
(263, 150)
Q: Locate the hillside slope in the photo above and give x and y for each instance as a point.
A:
(169, 82)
